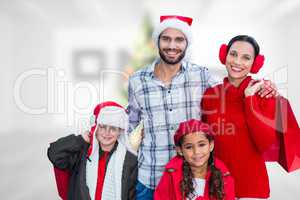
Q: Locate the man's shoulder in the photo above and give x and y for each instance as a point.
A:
(196, 72)
(143, 72)
(195, 67)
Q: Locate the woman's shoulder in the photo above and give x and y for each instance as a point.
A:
(211, 97)
(213, 90)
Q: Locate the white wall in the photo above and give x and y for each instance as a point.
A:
(41, 34)
(6, 61)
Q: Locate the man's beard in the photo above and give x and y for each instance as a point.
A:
(171, 62)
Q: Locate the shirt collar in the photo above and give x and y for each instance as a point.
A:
(156, 61)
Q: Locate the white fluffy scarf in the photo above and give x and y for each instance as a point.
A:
(113, 177)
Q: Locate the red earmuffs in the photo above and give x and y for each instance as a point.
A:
(257, 64)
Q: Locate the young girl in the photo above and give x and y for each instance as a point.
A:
(194, 173)
(243, 122)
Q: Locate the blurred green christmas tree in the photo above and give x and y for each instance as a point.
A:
(144, 53)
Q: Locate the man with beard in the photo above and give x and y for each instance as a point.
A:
(163, 94)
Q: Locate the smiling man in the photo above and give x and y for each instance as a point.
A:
(163, 94)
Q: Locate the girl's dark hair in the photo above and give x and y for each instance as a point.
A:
(216, 184)
(245, 38)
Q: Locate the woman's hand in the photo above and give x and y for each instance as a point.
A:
(268, 90)
(253, 87)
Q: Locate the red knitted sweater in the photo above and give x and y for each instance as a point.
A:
(244, 129)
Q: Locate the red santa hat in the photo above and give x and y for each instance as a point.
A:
(191, 126)
(107, 113)
(111, 114)
(180, 23)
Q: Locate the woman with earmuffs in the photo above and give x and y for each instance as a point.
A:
(242, 121)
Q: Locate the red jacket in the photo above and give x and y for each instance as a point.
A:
(169, 185)
(244, 128)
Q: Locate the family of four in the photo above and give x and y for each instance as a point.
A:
(184, 154)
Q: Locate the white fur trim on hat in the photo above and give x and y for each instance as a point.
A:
(113, 116)
(172, 23)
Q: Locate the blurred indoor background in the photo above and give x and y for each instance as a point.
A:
(59, 58)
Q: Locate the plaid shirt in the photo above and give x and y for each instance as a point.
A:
(161, 109)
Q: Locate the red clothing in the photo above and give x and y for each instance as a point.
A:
(244, 128)
(62, 178)
(169, 185)
(101, 175)
(286, 150)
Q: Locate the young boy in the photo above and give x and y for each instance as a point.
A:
(97, 164)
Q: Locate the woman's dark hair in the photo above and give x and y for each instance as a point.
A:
(245, 38)
(216, 184)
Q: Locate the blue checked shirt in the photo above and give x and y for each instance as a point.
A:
(161, 109)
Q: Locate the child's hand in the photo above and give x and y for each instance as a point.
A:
(86, 136)
(253, 87)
